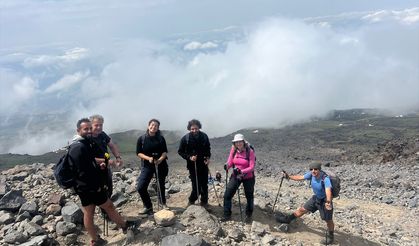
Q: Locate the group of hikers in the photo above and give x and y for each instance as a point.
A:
(89, 156)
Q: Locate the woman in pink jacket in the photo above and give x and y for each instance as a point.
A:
(242, 161)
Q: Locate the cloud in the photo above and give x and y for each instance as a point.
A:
(407, 16)
(197, 45)
(67, 81)
(70, 56)
(16, 90)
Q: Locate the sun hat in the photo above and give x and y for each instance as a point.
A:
(315, 165)
(238, 137)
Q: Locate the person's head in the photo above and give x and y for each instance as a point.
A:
(97, 124)
(153, 127)
(239, 141)
(194, 126)
(315, 168)
(84, 127)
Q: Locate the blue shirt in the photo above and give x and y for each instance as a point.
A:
(316, 184)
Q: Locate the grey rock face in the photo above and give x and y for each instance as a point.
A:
(71, 212)
(35, 241)
(181, 239)
(64, 228)
(6, 218)
(30, 207)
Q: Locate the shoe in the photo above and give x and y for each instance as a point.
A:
(190, 203)
(248, 219)
(148, 211)
(329, 238)
(164, 206)
(282, 218)
(130, 225)
(98, 242)
(225, 218)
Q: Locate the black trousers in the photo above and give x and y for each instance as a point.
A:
(232, 186)
(144, 180)
(202, 175)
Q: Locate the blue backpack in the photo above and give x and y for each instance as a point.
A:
(64, 172)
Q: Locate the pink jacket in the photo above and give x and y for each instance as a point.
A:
(246, 166)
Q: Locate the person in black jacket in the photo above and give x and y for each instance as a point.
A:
(88, 186)
(196, 150)
(152, 150)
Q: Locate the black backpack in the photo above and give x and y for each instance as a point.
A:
(64, 172)
(335, 180)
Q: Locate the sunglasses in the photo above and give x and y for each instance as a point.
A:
(315, 169)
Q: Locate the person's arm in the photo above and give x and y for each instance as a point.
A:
(293, 177)
(230, 157)
(182, 149)
(115, 151)
(329, 195)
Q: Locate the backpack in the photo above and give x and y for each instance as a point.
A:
(335, 180)
(64, 171)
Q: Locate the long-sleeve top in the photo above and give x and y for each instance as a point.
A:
(246, 166)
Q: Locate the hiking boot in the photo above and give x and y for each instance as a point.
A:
(164, 206)
(130, 225)
(329, 238)
(248, 219)
(282, 218)
(225, 218)
(148, 211)
(190, 203)
(98, 242)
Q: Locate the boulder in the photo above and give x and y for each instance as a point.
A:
(165, 217)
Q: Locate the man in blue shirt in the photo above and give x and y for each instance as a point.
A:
(321, 200)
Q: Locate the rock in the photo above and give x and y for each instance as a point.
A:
(14, 237)
(259, 228)
(31, 228)
(64, 228)
(54, 209)
(236, 234)
(12, 201)
(71, 212)
(23, 216)
(181, 239)
(165, 217)
(71, 239)
(35, 241)
(29, 206)
(19, 176)
(6, 218)
(119, 199)
(268, 239)
(3, 185)
(282, 227)
(197, 216)
(173, 189)
(56, 199)
(38, 219)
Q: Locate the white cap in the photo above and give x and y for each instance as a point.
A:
(238, 137)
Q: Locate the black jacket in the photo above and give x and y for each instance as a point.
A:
(81, 156)
(195, 145)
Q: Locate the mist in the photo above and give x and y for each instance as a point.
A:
(281, 71)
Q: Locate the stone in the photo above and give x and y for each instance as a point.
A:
(29, 206)
(35, 241)
(54, 209)
(31, 228)
(259, 228)
(64, 228)
(38, 219)
(181, 239)
(71, 239)
(14, 237)
(23, 216)
(3, 185)
(6, 218)
(55, 198)
(71, 212)
(12, 201)
(165, 217)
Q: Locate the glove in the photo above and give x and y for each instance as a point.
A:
(237, 171)
(225, 167)
(285, 174)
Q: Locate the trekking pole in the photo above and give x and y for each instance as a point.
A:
(240, 205)
(105, 215)
(213, 185)
(277, 194)
(196, 180)
(159, 198)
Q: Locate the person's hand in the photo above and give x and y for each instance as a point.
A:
(328, 205)
(237, 171)
(119, 162)
(151, 159)
(225, 167)
(158, 161)
(193, 158)
(206, 160)
(102, 165)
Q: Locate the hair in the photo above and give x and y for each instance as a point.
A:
(96, 117)
(158, 123)
(81, 121)
(194, 122)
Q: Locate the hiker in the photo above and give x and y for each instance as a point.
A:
(218, 176)
(103, 141)
(88, 187)
(242, 161)
(152, 150)
(321, 200)
(196, 150)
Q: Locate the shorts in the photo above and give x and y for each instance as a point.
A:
(96, 198)
(315, 204)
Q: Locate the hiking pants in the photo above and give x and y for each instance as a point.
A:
(143, 182)
(202, 183)
(232, 186)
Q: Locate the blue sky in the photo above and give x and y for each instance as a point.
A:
(232, 64)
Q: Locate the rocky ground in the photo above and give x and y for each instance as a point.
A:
(378, 206)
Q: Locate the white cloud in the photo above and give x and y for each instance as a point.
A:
(16, 90)
(70, 56)
(194, 45)
(67, 81)
(407, 16)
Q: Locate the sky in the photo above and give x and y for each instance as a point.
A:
(231, 64)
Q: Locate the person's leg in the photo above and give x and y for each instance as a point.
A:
(142, 186)
(229, 194)
(249, 188)
(194, 195)
(203, 184)
(162, 183)
(88, 213)
(112, 213)
(327, 216)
